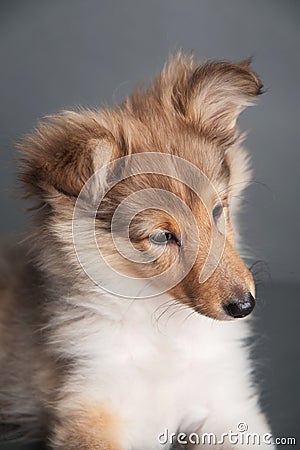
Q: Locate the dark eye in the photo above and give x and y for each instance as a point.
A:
(217, 212)
(160, 237)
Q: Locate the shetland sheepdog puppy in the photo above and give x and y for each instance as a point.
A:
(122, 315)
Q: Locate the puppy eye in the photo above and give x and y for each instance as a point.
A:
(161, 237)
(217, 212)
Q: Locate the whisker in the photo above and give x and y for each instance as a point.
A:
(174, 303)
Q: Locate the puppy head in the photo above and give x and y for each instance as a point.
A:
(171, 163)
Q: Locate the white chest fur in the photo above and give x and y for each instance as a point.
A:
(158, 371)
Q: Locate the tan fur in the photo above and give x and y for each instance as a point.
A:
(93, 427)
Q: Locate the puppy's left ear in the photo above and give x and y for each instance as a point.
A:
(217, 93)
(63, 153)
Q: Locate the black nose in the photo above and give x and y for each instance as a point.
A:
(241, 307)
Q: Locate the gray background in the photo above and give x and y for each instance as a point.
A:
(60, 54)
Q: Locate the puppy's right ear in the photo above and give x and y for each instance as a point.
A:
(63, 153)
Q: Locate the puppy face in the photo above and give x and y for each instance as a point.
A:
(174, 212)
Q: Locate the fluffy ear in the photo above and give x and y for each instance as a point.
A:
(63, 153)
(217, 93)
